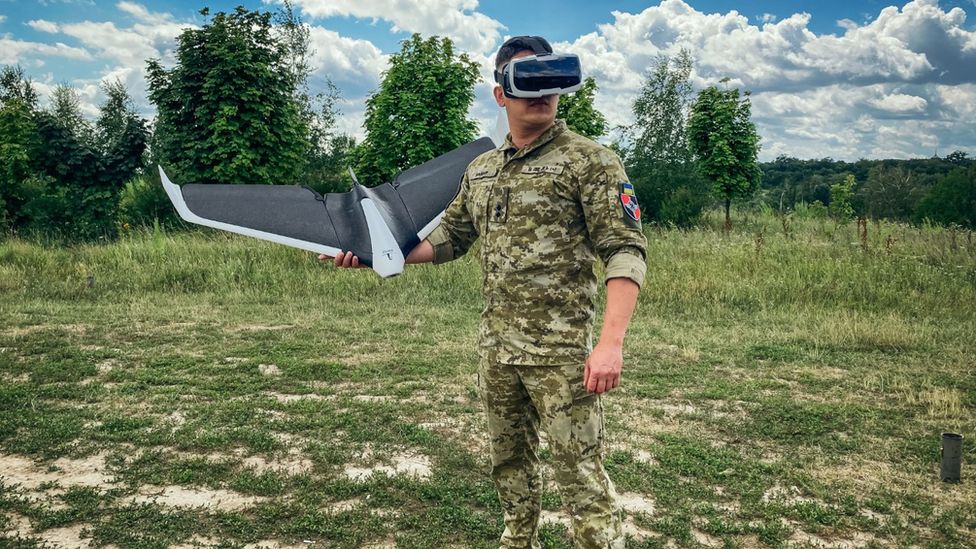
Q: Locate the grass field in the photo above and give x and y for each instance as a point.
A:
(783, 386)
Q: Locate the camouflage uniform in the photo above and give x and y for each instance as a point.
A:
(544, 213)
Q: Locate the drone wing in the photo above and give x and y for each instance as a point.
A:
(379, 225)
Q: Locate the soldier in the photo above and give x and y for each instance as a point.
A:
(546, 204)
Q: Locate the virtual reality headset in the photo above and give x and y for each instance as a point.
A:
(541, 74)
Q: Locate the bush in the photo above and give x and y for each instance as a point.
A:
(144, 202)
(683, 207)
(816, 210)
(951, 200)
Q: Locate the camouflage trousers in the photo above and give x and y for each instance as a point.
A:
(518, 401)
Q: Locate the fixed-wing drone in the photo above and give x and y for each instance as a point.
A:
(380, 225)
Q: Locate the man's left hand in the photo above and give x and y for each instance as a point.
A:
(603, 368)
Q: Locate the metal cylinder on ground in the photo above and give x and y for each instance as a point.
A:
(951, 457)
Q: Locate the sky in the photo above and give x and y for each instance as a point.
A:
(841, 79)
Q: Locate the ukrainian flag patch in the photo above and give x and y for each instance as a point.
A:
(628, 201)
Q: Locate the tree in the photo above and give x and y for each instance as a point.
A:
(66, 109)
(14, 84)
(658, 158)
(951, 200)
(840, 207)
(724, 140)
(579, 113)
(419, 111)
(121, 137)
(18, 145)
(226, 113)
(892, 191)
(957, 157)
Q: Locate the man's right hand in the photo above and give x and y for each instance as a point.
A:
(344, 260)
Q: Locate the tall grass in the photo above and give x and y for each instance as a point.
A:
(704, 271)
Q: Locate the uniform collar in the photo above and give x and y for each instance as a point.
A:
(509, 147)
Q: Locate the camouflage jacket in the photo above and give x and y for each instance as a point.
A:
(543, 213)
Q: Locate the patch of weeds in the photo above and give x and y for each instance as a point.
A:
(446, 524)
(716, 523)
(772, 531)
(676, 524)
(82, 503)
(18, 542)
(237, 527)
(41, 430)
(813, 514)
(197, 470)
(788, 420)
(773, 352)
(145, 526)
(555, 536)
(339, 529)
(122, 428)
(267, 483)
(551, 500)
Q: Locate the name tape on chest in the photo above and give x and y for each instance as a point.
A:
(555, 170)
(482, 173)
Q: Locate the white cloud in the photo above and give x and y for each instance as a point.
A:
(14, 51)
(41, 25)
(346, 59)
(455, 19)
(902, 83)
(900, 103)
(123, 49)
(3, 18)
(140, 13)
(807, 87)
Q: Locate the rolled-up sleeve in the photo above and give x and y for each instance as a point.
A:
(456, 232)
(616, 234)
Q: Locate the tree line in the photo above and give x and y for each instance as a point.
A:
(238, 106)
(939, 190)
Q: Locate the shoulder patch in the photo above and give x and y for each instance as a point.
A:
(553, 169)
(628, 201)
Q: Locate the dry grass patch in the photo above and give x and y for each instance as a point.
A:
(205, 498)
(865, 476)
(407, 464)
(89, 471)
(799, 538)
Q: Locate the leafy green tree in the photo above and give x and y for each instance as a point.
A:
(658, 159)
(14, 84)
(121, 136)
(327, 168)
(18, 146)
(893, 191)
(841, 195)
(75, 183)
(724, 140)
(226, 113)
(951, 200)
(579, 113)
(957, 157)
(66, 108)
(419, 111)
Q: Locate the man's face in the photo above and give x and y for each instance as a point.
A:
(539, 111)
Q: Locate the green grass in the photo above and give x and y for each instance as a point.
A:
(780, 389)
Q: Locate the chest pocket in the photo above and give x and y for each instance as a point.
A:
(481, 182)
(498, 205)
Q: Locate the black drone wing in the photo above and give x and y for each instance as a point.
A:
(379, 225)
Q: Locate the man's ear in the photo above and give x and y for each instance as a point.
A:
(499, 96)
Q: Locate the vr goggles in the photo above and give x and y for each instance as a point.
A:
(541, 74)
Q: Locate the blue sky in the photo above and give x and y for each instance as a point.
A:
(869, 78)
